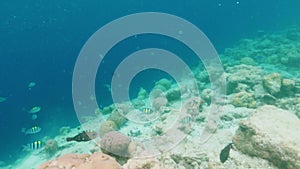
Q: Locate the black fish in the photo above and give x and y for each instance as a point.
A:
(83, 136)
(225, 152)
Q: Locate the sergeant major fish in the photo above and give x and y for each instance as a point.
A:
(31, 130)
(35, 109)
(33, 146)
(83, 136)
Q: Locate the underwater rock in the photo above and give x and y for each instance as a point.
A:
(271, 133)
(115, 143)
(272, 83)
(173, 94)
(244, 99)
(165, 83)
(107, 126)
(82, 161)
(51, 147)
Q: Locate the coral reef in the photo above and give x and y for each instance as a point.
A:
(82, 161)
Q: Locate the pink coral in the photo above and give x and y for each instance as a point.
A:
(82, 161)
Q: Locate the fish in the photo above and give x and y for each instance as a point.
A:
(33, 146)
(35, 109)
(146, 110)
(2, 99)
(83, 136)
(31, 85)
(31, 130)
(225, 152)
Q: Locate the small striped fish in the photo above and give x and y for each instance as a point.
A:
(146, 110)
(31, 130)
(33, 146)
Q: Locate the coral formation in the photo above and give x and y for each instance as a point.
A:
(244, 74)
(64, 130)
(107, 126)
(159, 102)
(165, 83)
(118, 117)
(82, 161)
(244, 99)
(115, 143)
(142, 163)
(142, 94)
(247, 61)
(51, 147)
(173, 94)
(272, 83)
(108, 109)
(193, 106)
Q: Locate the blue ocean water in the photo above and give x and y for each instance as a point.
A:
(40, 41)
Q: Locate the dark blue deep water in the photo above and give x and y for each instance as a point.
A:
(40, 41)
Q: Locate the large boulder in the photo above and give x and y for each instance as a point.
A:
(273, 134)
